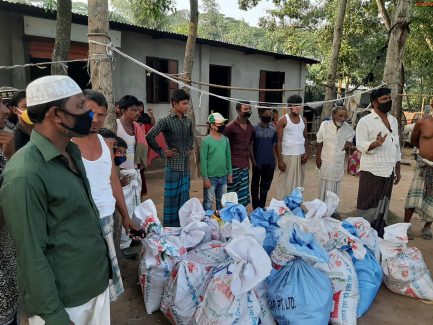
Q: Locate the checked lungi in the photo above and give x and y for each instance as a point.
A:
(240, 185)
(115, 284)
(374, 195)
(420, 196)
(176, 193)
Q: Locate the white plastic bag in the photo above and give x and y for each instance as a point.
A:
(191, 211)
(230, 197)
(366, 234)
(405, 271)
(230, 297)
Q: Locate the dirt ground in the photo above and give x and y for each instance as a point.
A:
(388, 308)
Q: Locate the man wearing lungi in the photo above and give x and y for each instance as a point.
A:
(420, 196)
(292, 148)
(378, 141)
(240, 133)
(334, 137)
(63, 261)
(179, 136)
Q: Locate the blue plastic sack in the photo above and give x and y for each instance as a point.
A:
(294, 201)
(233, 212)
(369, 273)
(298, 293)
(267, 219)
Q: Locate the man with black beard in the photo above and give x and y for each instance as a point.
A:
(63, 261)
(240, 133)
(378, 140)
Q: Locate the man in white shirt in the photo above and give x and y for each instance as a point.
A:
(334, 137)
(378, 140)
(292, 148)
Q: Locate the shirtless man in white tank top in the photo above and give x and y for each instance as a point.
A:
(292, 148)
(98, 160)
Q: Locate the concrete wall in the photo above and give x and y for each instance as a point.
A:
(12, 50)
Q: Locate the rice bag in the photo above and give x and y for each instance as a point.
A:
(268, 219)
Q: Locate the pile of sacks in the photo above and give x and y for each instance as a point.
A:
(279, 265)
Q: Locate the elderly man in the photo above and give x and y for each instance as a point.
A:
(334, 137)
(292, 148)
(63, 261)
(420, 196)
(378, 141)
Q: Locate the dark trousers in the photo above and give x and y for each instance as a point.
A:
(260, 184)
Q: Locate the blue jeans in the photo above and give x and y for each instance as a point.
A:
(218, 188)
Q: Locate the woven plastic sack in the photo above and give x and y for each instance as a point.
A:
(365, 233)
(268, 219)
(294, 202)
(299, 293)
(405, 271)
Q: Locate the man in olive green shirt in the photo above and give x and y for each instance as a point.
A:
(63, 264)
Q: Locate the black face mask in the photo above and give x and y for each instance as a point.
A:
(144, 119)
(83, 122)
(221, 128)
(246, 114)
(385, 107)
(118, 160)
(266, 119)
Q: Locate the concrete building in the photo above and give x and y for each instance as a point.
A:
(28, 34)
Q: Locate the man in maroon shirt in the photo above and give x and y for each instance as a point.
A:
(240, 133)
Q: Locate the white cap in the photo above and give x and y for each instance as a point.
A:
(216, 118)
(50, 88)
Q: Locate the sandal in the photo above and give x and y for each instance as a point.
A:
(410, 234)
(426, 233)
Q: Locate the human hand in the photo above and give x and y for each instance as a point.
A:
(171, 153)
(206, 183)
(347, 146)
(304, 158)
(318, 162)
(282, 166)
(125, 180)
(150, 110)
(397, 177)
(6, 138)
(380, 139)
(230, 179)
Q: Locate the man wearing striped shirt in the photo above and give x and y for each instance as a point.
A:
(378, 140)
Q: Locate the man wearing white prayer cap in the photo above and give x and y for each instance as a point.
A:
(63, 263)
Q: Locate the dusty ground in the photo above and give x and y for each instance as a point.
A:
(388, 308)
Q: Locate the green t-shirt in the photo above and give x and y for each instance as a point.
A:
(215, 157)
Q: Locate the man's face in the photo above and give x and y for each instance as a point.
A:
(181, 107)
(296, 110)
(245, 110)
(74, 106)
(380, 100)
(140, 108)
(120, 152)
(132, 113)
(267, 113)
(21, 106)
(339, 117)
(99, 115)
(4, 113)
(276, 116)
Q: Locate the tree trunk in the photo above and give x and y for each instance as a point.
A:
(394, 56)
(333, 65)
(384, 13)
(101, 73)
(62, 43)
(187, 70)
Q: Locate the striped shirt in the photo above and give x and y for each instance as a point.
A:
(380, 161)
(178, 135)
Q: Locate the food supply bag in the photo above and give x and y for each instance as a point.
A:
(299, 293)
(231, 297)
(229, 213)
(268, 219)
(405, 271)
(187, 282)
(294, 202)
(159, 255)
(369, 274)
(365, 233)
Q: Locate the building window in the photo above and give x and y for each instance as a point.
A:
(271, 80)
(159, 89)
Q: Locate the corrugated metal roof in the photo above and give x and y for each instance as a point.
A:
(33, 10)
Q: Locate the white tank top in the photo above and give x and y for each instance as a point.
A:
(130, 151)
(293, 143)
(99, 172)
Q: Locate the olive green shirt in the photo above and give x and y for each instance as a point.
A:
(61, 252)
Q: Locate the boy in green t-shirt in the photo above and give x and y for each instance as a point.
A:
(216, 162)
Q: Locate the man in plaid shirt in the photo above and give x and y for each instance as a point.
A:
(178, 134)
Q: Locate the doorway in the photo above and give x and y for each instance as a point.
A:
(219, 75)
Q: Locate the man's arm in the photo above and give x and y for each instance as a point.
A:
(282, 122)
(229, 162)
(153, 133)
(251, 148)
(24, 205)
(319, 139)
(191, 137)
(152, 117)
(116, 187)
(204, 148)
(306, 143)
(363, 143)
